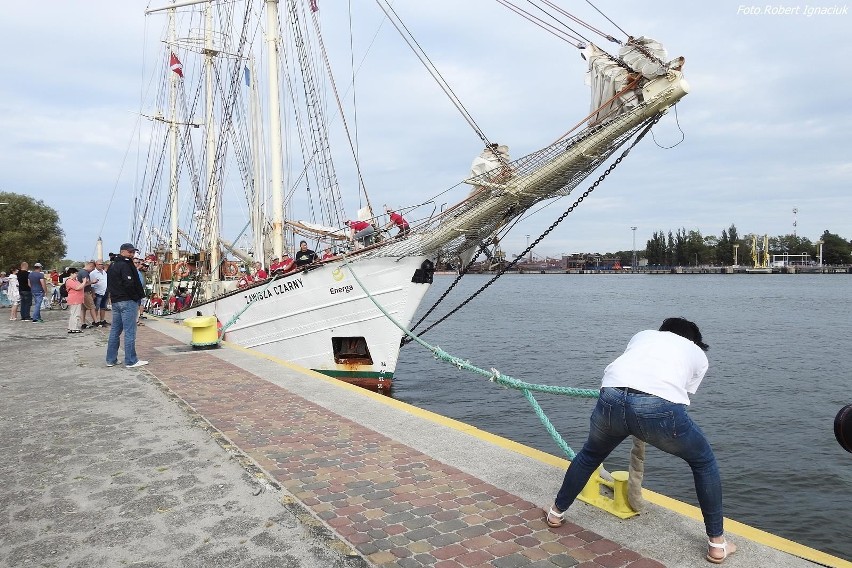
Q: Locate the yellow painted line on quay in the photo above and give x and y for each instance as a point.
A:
(732, 526)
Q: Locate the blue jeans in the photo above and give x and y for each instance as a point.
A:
(26, 303)
(662, 424)
(123, 319)
(38, 297)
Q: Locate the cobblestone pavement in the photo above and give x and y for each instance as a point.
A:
(103, 467)
(395, 505)
(195, 460)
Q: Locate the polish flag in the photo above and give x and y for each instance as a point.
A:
(176, 65)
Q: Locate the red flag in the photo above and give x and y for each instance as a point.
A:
(314, 7)
(176, 65)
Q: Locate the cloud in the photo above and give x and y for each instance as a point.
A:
(765, 126)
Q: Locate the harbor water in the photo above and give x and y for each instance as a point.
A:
(780, 370)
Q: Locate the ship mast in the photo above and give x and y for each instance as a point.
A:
(173, 144)
(276, 153)
(210, 131)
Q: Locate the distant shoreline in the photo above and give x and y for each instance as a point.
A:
(677, 270)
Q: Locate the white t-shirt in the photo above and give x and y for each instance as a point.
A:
(659, 363)
(98, 279)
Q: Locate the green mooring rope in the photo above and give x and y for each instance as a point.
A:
(494, 375)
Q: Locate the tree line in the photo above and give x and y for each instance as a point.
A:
(29, 231)
(691, 248)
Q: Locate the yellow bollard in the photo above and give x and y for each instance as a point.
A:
(205, 333)
(617, 504)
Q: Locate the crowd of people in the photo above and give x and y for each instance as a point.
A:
(90, 292)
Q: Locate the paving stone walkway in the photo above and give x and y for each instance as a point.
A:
(395, 505)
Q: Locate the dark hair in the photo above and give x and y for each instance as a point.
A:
(303, 243)
(684, 328)
(72, 270)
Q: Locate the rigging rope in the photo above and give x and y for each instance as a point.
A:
(576, 41)
(647, 128)
(418, 51)
(607, 17)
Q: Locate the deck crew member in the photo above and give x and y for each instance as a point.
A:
(361, 231)
(304, 255)
(397, 220)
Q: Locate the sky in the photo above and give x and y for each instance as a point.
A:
(764, 130)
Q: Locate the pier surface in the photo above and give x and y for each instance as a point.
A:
(228, 458)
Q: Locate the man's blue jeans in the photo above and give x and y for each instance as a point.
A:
(123, 319)
(38, 298)
(661, 423)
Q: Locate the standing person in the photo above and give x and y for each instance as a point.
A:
(12, 292)
(98, 279)
(125, 291)
(4, 291)
(88, 295)
(304, 255)
(38, 288)
(397, 220)
(76, 290)
(644, 393)
(24, 291)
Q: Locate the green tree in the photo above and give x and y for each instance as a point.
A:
(655, 249)
(724, 250)
(29, 231)
(695, 249)
(835, 249)
(734, 239)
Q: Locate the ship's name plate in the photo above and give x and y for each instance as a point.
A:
(276, 290)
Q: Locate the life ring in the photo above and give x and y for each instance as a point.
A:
(181, 269)
(230, 269)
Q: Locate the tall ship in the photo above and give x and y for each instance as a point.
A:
(242, 100)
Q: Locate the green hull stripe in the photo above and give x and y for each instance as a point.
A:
(355, 374)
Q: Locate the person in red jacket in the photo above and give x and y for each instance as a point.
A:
(397, 220)
(361, 231)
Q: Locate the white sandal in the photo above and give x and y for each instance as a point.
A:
(552, 513)
(718, 545)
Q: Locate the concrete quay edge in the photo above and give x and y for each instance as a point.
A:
(242, 457)
(670, 532)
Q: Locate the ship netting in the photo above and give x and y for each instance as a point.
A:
(506, 192)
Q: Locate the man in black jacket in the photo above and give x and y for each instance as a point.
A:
(125, 290)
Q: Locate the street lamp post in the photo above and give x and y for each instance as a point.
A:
(528, 246)
(633, 261)
(735, 255)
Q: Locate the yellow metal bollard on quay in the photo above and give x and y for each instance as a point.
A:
(617, 504)
(205, 332)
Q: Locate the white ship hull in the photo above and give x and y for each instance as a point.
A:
(322, 319)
